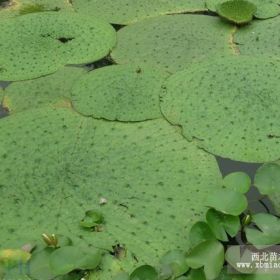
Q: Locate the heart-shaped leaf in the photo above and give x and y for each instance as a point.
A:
(237, 181)
(145, 272)
(200, 232)
(221, 224)
(210, 255)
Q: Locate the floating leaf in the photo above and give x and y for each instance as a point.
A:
(227, 106)
(145, 272)
(221, 224)
(68, 258)
(237, 11)
(265, 8)
(200, 232)
(39, 265)
(176, 260)
(38, 44)
(43, 91)
(228, 202)
(125, 93)
(210, 255)
(153, 179)
(154, 42)
(236, 255)
(237, 181)
(268, 232)
(254, 40)
(126, 11)
(92, 218)
(267, 180)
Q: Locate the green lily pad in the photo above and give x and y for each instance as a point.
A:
(237, 11)
(69, 258)
(200, 232)
(268, 232)
(236, 255)
(228, 202)
(172, 42)
(92, 218)
(39, 265)
(126, 11)
(255, 40)
(155, 182)
(196, 274)
(125, 93)
(210, 255)
(267, 180)
(176, 260)
(38, 44)
(43, 91)
(145, 272)
(237, 181)
(222, 224)
(265, 8)
(228, 107)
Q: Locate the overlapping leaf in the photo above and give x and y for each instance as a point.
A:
(125, 93)
(147, 172)
(228, 106)
(172, 42)
(43, 91)
(126, 11)
(37, 44)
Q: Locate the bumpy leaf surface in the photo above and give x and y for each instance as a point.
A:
(56, 165)
(228, 106)
(127, 11)
(172, 42)
(43, 91)
(125, 93)
(37, 44)
(260, 38)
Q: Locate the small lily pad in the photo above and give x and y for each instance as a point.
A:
(264, 8)
(237, 11)
(222, 224)
(145, 272)
(92, 218)
(228, 202)
(176, 260)
(69, 258)
(268, 232)
(210, 256)
(200, 232)
(237, 181)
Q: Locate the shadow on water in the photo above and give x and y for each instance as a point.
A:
(257, 202)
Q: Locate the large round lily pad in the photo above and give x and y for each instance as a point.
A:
(40, 43)
(56, 165)
(127, 11)
(260, 38)
(39, 92)
(125, 93)
(173, 42)
(229, 106)
(265, 8)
